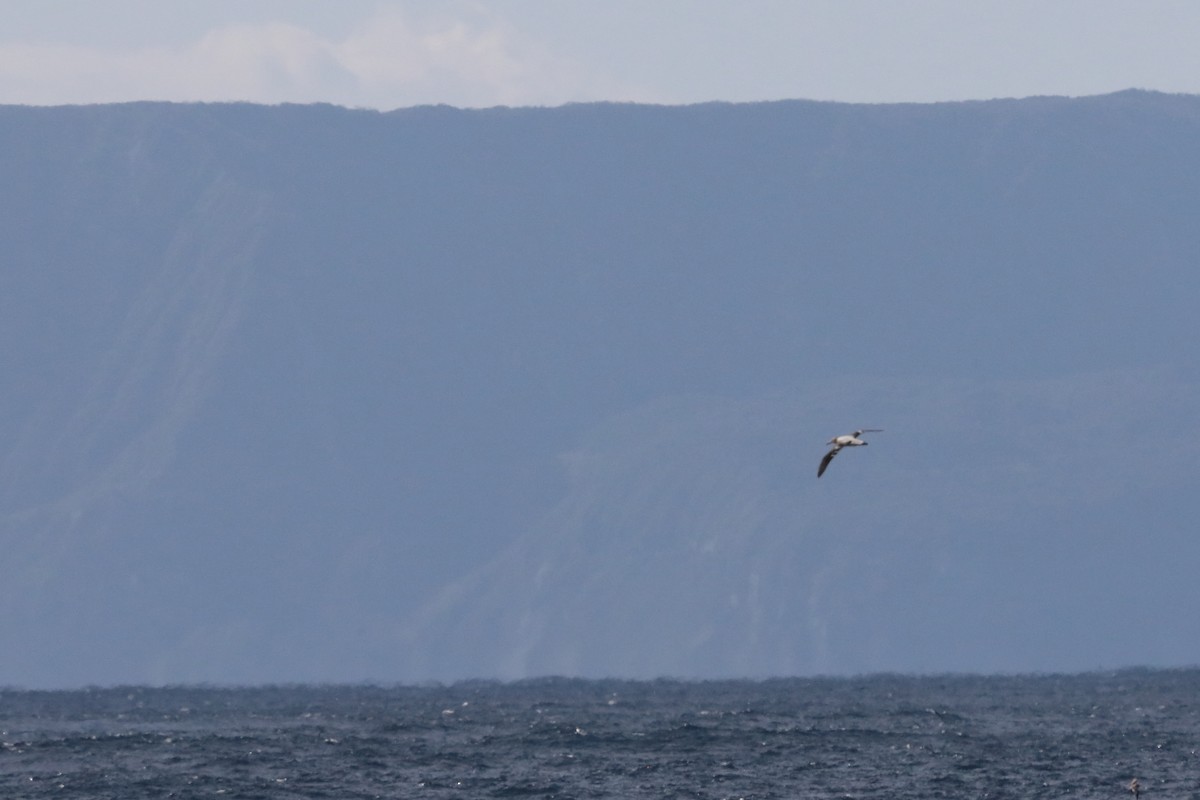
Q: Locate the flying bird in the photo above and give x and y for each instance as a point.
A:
(845, 440)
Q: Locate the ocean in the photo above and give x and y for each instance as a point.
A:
(882, 736)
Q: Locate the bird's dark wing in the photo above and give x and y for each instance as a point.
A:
(825, 461)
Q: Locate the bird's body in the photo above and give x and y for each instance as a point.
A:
(845, 440)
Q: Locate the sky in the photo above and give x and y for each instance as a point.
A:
(389, 54)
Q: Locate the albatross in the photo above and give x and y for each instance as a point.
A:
(845, 440)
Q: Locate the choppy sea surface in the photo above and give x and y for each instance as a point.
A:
(1048, 736)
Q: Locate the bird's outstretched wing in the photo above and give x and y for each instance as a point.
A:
(825, 461)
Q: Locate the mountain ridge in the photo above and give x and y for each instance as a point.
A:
(303, 393)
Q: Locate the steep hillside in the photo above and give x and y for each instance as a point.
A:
(307, 393)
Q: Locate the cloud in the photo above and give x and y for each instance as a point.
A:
(479, 61)
(390, 60)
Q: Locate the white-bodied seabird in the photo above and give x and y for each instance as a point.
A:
(845, 440)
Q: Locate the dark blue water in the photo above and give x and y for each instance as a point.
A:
(874, 737)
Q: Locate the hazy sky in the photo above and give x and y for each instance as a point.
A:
(393, 53)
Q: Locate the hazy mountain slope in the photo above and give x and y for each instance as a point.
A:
(304, 393)
(973, 534)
